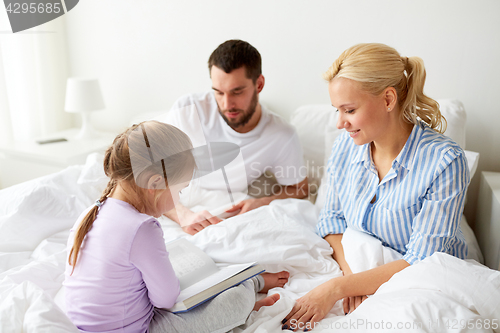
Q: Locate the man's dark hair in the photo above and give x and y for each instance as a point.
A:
(235, 53)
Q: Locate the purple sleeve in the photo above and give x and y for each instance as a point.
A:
(150, 256)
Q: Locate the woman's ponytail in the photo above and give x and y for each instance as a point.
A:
(414, 103)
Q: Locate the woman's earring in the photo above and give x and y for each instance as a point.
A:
(388, 109)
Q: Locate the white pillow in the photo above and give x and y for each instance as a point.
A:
(454, 112)
(472, 161)
(310, 122)
(39, 208)
(36, 209)
(331, 134)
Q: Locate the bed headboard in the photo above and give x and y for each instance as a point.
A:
(488, 218)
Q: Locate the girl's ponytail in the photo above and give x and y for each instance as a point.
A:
(88, 220)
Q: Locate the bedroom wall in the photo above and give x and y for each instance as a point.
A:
(148, 53)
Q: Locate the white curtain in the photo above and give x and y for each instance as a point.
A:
(33, 73)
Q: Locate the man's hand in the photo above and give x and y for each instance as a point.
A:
(249, 204)
(297, 191)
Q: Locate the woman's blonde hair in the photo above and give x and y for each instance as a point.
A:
(144, 150)
(377, 67)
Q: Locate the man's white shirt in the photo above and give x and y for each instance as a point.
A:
(272, 145)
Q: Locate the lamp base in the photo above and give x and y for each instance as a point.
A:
(87, 131)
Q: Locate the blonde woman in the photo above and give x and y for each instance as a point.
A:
(392, 175)
(118, 274)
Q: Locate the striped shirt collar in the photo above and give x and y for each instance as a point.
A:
(405, 157)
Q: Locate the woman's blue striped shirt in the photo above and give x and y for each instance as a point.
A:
(418, 204)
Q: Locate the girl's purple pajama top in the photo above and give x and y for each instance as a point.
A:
(123, 271)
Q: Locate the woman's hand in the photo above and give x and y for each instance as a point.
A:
(312, 307)
(351, 303)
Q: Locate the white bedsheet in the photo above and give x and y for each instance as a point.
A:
(440, 294)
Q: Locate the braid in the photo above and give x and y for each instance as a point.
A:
(107, 191)
(86, 225)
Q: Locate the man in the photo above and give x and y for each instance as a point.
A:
(232, 113)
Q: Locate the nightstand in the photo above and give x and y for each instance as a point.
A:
(23, 161)
(488, 218)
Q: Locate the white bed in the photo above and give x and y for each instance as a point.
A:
(439, 294)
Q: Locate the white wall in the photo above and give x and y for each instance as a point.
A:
(148, 53)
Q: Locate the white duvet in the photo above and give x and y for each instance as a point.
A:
(439, 294)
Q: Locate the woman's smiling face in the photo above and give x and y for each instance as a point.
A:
(362, 114)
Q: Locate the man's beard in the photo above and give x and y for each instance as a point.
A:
(247, 114)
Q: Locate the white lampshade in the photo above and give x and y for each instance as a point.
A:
(83, 95)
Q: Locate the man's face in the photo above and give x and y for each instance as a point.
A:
(236, 96)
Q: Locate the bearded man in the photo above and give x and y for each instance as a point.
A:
(231, 112)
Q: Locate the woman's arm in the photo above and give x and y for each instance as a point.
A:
(316, 304)
(335, 242)
(436, 226)
(367, 282)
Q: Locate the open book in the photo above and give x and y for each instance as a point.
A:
(200, 278)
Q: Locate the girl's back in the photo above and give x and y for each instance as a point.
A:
(122, 258)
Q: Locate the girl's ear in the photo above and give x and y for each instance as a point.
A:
(155, 182)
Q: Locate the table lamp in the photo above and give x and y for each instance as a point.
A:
(83, 95)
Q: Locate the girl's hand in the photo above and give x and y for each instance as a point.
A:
(193, 229)
(312, 307)
(193, 223)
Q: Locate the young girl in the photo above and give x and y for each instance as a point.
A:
(118, 275)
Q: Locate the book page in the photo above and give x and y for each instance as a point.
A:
(189, 262)
(223, 274)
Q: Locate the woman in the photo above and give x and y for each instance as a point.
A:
(392, 174)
